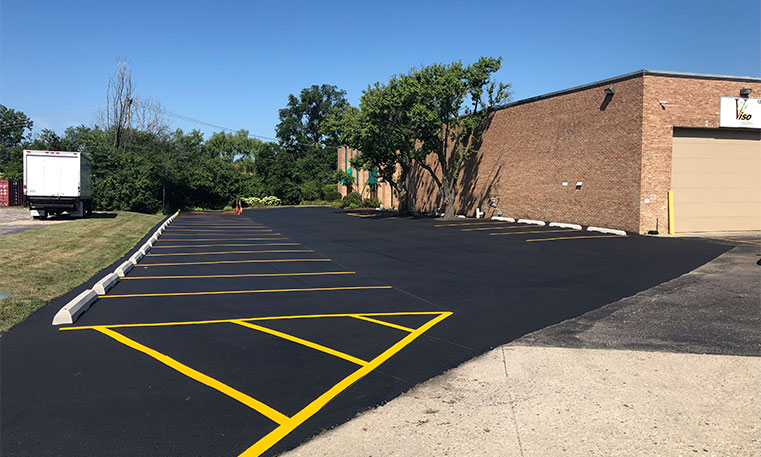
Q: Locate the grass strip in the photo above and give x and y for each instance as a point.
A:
(40, 264)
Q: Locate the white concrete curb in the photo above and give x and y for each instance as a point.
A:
(530, 221)
(108, 281)
(122, 270)
(606, 230)
(146, 247)
(136, 257)
(502, 219)
(78, 305)
(564, 225)
(461, 216)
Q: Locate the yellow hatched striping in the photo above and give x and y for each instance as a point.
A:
(379, 322)
(303, 342)
(252, 403)
(276, 435)
(230, 252)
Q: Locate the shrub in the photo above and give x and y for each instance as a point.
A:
(330, 193)
(310, 190)
(351, 200)
(266, 201)
(371, 202)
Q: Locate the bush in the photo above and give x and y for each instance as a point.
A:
(371, 202)
(351, 201)
(266, 201)
(310, 190)
(330, 193)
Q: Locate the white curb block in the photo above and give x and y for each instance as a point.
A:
(564, 225)
(136, 257)
(502, 219)
(146, 247)
(108, 281)
(530, 221)
(606, 230)
(122, 270)
(461, 216)
(78, 305)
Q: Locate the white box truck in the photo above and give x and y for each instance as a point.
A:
(57, 182)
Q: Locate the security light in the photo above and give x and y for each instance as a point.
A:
(610, 91)
(744, 92)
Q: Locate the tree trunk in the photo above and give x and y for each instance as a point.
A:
(403, 190)
(447, 191)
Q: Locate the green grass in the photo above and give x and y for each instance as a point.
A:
(41, 264)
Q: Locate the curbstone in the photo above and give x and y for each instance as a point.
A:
(108, 281)
(153, 239)
(122, 270)
(136, 257)
(461, 216)
(72, 310)
(146, 247)
(564, 225)
(502, 219)
(606, 230)
(530, 221)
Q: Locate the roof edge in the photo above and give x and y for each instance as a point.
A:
(624, 77)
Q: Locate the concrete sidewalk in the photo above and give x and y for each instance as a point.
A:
(674, 370)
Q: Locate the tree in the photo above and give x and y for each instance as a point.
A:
(13, 131)
(451, 108)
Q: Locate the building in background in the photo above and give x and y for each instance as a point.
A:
(612, 153)
(366, 183)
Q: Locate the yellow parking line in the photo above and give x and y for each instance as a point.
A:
(276, 435)
(463, 224)
(304, 342)
(221, 239)
(190, 232)
(172, 264)
(496, 227)
(230, 252)
(266, 318)
(252, 275)
(578, 237)
(387, 324)
(256, 405)
(254, 291)
(531, 231)
(220, 245)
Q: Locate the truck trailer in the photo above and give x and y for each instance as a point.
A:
(57, 182)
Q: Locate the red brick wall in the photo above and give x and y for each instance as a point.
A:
(690, 103)
(384, 192)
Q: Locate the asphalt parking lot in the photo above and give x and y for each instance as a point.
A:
(246, 335)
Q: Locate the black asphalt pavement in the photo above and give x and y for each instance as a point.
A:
(246, 335)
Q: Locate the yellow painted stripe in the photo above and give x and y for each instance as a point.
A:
(221, 245)
(253, 291)
(578, 237)
(463, 224)
(387, 324)
(252, 403)
(216, 262)
(219, 239)
(252, 275)
(531, 231)
(215, 232)
(304, 342)
(215, 226)
(495, 227)
(276, 435)
(260, 318)
(266, 251)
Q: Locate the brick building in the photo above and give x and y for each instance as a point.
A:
(608, 153)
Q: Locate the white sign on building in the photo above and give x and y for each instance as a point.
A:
(740, 112)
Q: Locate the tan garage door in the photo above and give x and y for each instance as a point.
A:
(716, 179)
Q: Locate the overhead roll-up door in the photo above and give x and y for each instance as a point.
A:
(716, 180)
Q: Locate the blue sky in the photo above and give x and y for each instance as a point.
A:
(234, 63)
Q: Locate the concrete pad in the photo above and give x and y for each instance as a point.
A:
(72, 310)
(540, 401)
(122, 270)
(108, 281)
(606, 230)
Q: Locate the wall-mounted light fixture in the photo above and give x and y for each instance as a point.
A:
(744, 92)
(578, 185)
(610, 91)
